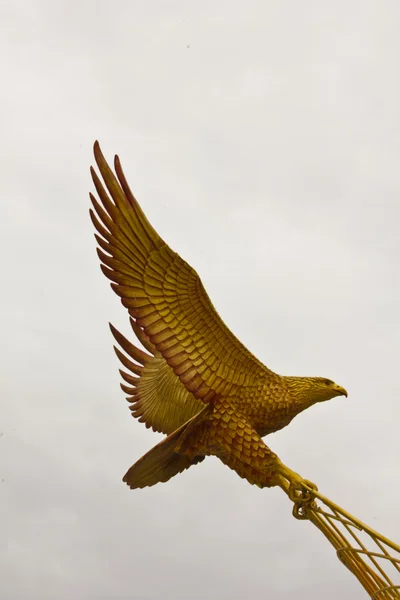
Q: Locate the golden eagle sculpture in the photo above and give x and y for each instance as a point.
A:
(196, 383)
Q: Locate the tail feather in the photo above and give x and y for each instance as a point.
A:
(160, 463)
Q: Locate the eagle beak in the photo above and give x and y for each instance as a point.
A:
(341, 391)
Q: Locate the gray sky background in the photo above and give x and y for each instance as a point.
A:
(262, 140)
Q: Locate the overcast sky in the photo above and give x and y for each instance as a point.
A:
(262, 140)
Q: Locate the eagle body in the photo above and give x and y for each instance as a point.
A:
(195, 381)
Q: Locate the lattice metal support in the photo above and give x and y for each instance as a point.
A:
(374, 568)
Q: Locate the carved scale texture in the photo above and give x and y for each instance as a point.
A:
(225, 433)
(218, 430)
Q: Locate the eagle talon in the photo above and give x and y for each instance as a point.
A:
(299, 494)
(300, 491)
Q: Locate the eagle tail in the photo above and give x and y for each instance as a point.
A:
(161, 462)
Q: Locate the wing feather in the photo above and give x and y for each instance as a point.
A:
(156, 395)
(165, 296)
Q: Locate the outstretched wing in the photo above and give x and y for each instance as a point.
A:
(165, 295)
(157, 397)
